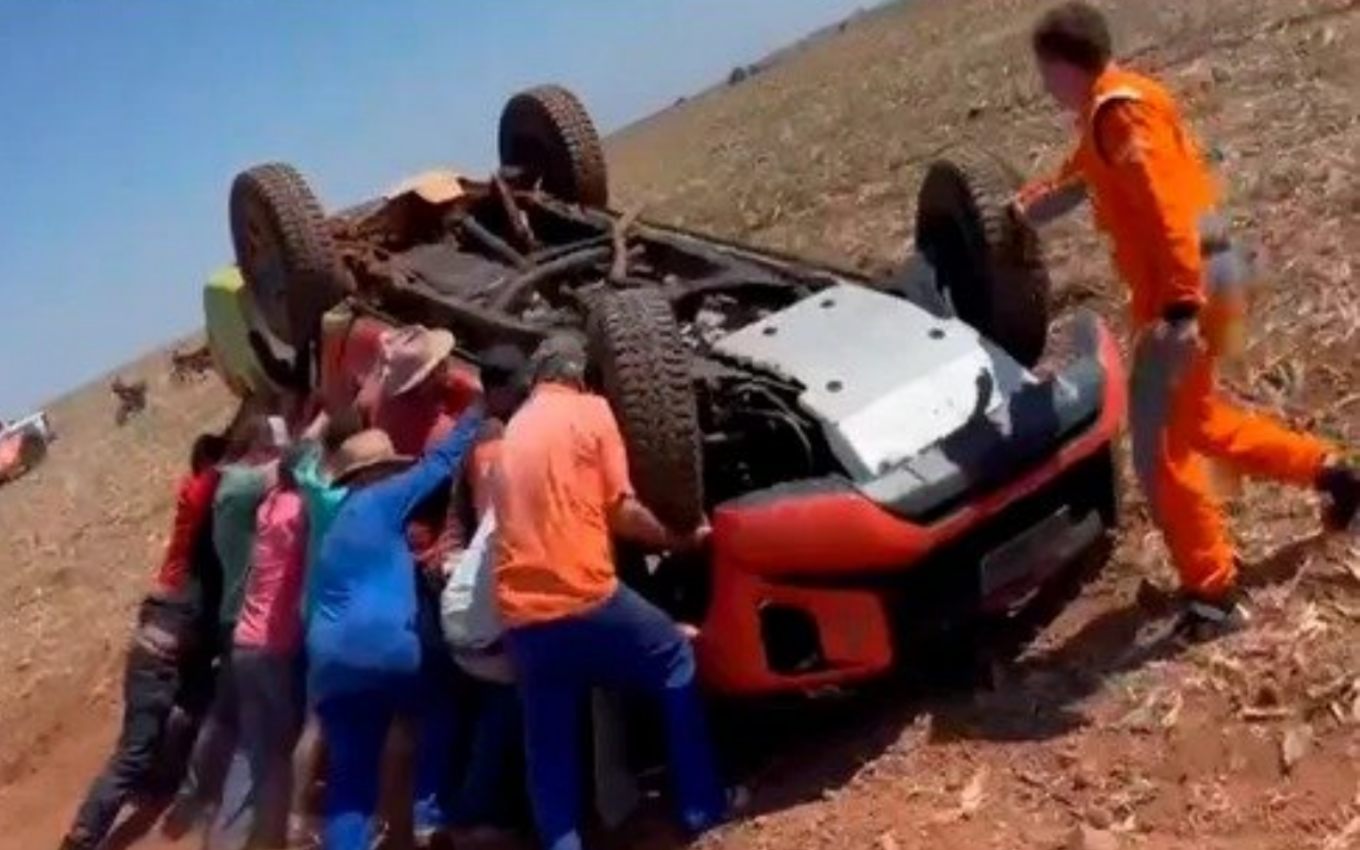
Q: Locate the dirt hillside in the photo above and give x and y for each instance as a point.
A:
(1248, 743)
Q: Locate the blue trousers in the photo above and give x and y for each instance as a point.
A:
(355, 726)
(625, 644)
(434, 712)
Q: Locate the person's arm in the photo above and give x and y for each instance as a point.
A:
(281, 372)
(1149, 172)
(632, 520)
(402, 493)
(628, 517)
(1052, 196)
(307, 471)
(316, 428)
(481, 466)
(266, 477)
(192, 504)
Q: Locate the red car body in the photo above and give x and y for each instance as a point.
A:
(825, 554)
(831, 554)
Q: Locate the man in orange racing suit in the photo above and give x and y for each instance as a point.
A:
(1155, 198)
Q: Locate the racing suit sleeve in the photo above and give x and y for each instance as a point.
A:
(1151, 169)
(1052, 196)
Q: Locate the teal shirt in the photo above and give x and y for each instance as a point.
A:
(322, 500)
(239, 493)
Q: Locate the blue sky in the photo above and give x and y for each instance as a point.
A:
(125, 120)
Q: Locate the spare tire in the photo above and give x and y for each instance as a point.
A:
(285, 251)
(547, 134)
(988, 264)
(643, 368)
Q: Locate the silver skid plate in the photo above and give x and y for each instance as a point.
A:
(883, 377)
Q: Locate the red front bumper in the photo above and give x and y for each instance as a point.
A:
(788, 554)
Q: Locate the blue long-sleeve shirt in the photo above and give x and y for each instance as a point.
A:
(364, 607)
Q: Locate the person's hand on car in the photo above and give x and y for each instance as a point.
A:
(1024, 199)
(693, 540)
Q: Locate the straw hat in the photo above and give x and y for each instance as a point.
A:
(366, 450)
(410, 354)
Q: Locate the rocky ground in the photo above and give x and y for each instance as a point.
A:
(1101, 737)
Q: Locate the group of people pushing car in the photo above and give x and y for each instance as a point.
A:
(432, 567)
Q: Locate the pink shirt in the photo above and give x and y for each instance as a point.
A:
(271, 615)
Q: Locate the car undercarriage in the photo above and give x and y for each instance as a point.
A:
(841, 432)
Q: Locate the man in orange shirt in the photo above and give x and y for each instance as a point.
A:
(1155, 198)
(561, 493)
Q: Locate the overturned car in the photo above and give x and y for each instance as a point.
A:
(23, 445)
(875, 455)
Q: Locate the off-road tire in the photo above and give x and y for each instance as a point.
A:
(989, 263)
(285, 251)
(547, 134)
(643, 369)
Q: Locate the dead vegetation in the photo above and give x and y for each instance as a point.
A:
(191, 364)
(1103, 736)
(80, 536)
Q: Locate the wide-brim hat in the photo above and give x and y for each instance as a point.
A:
(410, 354)
(366, 450)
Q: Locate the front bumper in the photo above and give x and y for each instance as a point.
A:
(811, 584)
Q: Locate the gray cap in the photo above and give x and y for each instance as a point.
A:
(560, 357)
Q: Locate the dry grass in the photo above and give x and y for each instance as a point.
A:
(81, 536)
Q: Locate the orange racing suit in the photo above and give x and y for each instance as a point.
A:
(1155, 198)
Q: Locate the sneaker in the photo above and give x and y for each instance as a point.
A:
(1340, 484)
(1206, 619)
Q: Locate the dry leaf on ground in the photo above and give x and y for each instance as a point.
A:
(970, 799)
(1294, 745)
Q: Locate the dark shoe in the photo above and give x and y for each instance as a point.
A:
(77, 839)
(481, 838)
(185, 814)
(1340, 484)
(1204, 619)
